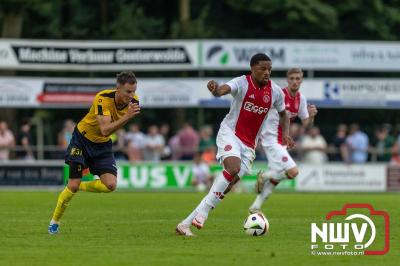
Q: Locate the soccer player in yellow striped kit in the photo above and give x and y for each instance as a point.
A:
(91, 146)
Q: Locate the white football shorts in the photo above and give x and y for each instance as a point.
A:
(278, 157)
(230, 145)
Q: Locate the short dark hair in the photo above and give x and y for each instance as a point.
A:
(126, 77)
(25, 121)
(255, 59)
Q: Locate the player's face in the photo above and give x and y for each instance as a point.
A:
(126, 92)
(261, 72)
(294, 81)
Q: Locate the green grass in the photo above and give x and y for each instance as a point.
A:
(133, 228)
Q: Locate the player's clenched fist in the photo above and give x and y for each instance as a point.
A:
(133, 109)
(312, 110)
(288, 141)
(212, 86)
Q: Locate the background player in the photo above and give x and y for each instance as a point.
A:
(280, 163)
(253, 96)
(91, 146)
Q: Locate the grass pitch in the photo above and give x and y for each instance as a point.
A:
(136, 228)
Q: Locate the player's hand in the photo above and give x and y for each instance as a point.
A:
(212, 86)
(288, 141)
(312, 110)
(133, 110)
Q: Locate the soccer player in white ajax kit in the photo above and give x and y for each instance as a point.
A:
(253, 96)
(280, 163)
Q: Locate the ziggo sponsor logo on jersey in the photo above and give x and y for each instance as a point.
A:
(251, 107)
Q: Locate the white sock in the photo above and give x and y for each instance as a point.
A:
(214, 196)
(53, 222)
(266, 191)
(278, 176)
(188, 220)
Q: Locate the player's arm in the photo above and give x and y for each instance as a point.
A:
(284, 120)
(284, 123)
(107, 127)
(309, 121)
(218, 90)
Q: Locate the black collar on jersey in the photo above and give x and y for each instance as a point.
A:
(112, 95)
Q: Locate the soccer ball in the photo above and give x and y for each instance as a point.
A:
(256, 224)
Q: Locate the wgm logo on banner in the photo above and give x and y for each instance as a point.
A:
(356, 229)
(237, 55)
(218, 55)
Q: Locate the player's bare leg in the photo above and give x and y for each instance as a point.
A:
(272, 178)
(109, 180)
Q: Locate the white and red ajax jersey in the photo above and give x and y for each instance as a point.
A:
(250, 106)
(295, 106)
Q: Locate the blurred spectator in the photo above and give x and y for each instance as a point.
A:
(357, 144)
(175, 147)
(384, 144)
(189, 141)
(295, 131)
(25, 142)
(7, 141)
(260, 153)
(396, 151)
(339, 149)
(206, 138)
(209, 155)
(164, 131)
(202, 178)
(154, 144)
(119, 144)
(65, 135)
(135, 141)
(314, 147)
(207, 145)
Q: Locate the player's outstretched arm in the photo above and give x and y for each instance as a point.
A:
(218, 90)
(107, 127)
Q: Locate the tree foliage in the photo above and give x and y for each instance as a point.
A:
(157, 19)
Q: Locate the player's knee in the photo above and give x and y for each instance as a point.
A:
(111, 185)
(73, 187)
(274, 181)
(292, 173)
(233, 170)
